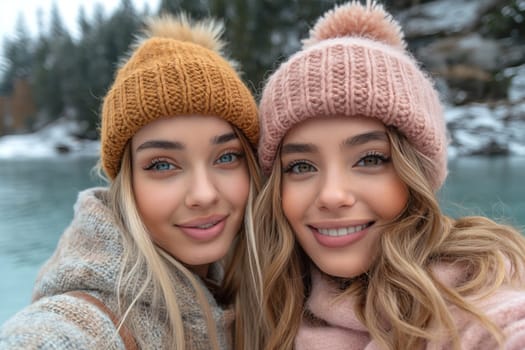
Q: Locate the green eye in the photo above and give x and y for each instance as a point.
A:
(300, 167)
(373, 160)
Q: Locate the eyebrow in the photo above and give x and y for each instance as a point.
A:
(289, 148)
(174, 145)
(171, 145)
(360, 139)
(366, 137)
(220, 139)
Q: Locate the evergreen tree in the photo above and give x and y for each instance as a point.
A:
(18, 56)
(121, 27)
(169, 6)
(99, 52)
(81, 97)
(42, 75)
(57, 67)
(101, 66)
(83, 23)
(263, 32)
(196, 8)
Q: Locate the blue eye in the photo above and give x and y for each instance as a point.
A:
(228, 158)
(300, 167)
(160, 165)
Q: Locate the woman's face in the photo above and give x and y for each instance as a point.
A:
(338, 187)
(191, 184)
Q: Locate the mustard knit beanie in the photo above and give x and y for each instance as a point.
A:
(178, 69)
(355, 63)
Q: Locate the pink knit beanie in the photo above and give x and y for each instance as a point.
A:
(354, 63)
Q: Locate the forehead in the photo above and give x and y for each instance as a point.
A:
(183, 128)
(332, 127)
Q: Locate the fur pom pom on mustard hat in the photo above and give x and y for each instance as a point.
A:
(354, 63)
(177, 69)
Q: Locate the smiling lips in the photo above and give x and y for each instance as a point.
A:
(343, 231)
(339, 236)
(204, 229)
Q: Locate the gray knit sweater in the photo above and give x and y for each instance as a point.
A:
(88, 259)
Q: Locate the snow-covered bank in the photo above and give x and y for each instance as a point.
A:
(481, 129)
(56, 139)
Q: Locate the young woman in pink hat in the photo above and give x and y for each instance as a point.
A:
(355, 250)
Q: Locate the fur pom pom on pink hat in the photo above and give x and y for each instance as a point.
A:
(354, 63)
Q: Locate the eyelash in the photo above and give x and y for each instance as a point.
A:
(157, 161)
(290, 166)
(237, 154)
(376, 156)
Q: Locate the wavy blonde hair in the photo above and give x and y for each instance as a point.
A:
(400, 288)
(238, 288)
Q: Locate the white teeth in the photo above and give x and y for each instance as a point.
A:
(341, 231)
(205, 226)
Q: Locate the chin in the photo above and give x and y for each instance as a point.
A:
(207, 257)
(338, 271)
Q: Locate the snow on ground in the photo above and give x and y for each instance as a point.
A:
(478, 128)
(56, 139)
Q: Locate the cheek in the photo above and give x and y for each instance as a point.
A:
(237, 187)
(394, 198)
(151, 199)
(155, 199)
(293, 202)
(140, 191)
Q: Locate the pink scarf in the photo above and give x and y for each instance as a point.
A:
(339, 328)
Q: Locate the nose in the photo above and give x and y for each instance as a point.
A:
(201, 190)
(336, 190)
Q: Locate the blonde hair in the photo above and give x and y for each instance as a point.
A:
(243, 276)
(399, 289)
(141, 254)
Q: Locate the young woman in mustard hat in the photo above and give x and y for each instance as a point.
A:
(161, 259)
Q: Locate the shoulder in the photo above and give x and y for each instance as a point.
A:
(93, 199)
(59, 322)
(506, 309)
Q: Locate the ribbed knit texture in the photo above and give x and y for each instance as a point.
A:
(361, 69)
(165, 78)
(88, 259)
